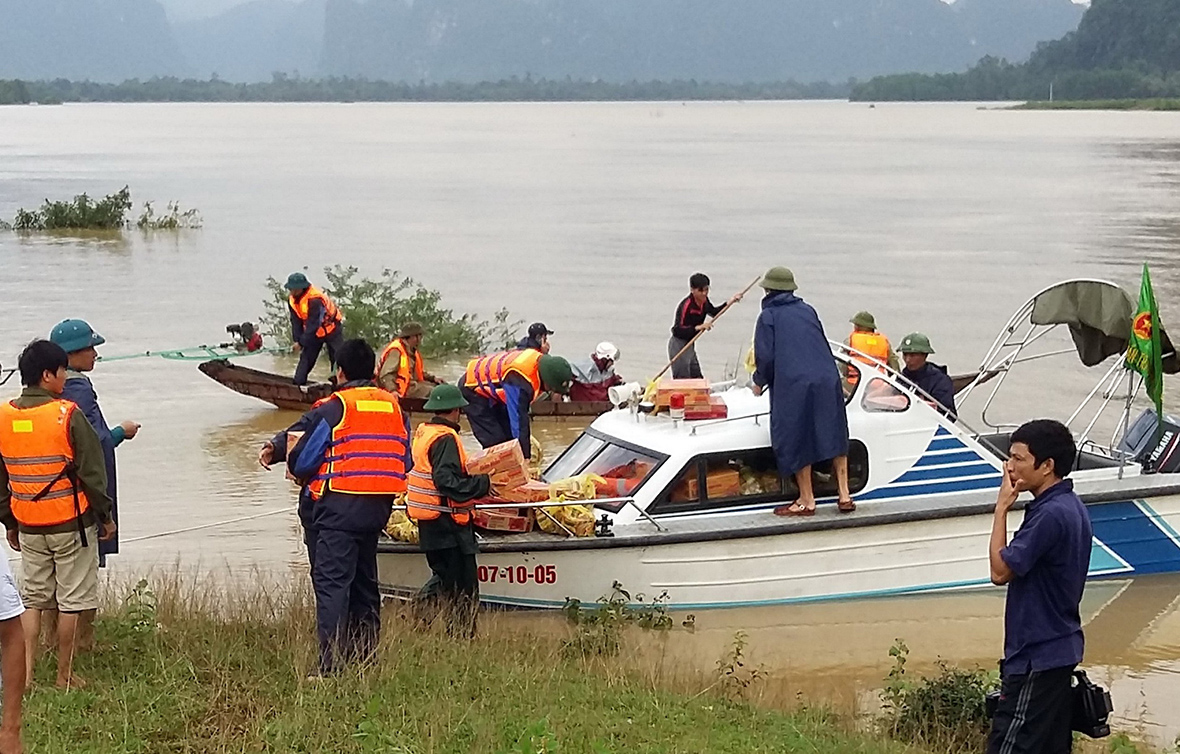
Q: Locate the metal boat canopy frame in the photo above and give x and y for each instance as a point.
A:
(1097, 314)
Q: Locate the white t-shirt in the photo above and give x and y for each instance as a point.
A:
(10, 602)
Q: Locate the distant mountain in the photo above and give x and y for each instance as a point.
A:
(1119, 34)
(730, 40)
(102, 40)
(254, 40)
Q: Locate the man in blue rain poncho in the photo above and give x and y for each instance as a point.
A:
(808, 423)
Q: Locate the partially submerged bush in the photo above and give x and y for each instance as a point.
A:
(375, 309)
(108, 213)
(946, 711)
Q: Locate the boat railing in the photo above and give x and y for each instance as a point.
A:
(541, 506)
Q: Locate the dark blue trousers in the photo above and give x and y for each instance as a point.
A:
(347, 602)
(308, 356)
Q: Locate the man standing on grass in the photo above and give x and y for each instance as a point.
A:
(53, 502)
(1045, 568)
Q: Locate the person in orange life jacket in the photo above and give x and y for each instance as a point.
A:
(350, 462)
(865, 338)
(595, 376)
(500, 388)
(439, 498)
(400, 368)
(315, 323)
(931, 377)
(690, 320)
(53, 502)
(537, 339)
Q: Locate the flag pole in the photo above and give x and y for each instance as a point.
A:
(1126, 423)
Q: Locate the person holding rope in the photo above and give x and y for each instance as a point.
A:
(53, 502)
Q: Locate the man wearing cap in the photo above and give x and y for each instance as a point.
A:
(808, 423)
(439, 498)
(931, 377)
(315, 323)
(78, 339)
(500, 388)
(538, 338)
(875, 347)
(594, 376)
(400, 368)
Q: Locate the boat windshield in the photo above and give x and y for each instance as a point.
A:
(624, 467)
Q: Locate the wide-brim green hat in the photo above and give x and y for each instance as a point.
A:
(297, 281)
(75, 335)
(915, 342)
(779, 279)
(864, 319)
(444, 398)
(410, 329)
(556, 373)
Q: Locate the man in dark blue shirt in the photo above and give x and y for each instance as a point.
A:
(932, 378)
(1045, 568)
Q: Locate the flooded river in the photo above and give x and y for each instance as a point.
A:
(590, 217)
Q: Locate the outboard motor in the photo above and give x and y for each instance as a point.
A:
(1140, 442)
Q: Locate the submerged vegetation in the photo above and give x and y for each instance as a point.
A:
(108, 213)
(376, 308)
(283, 88)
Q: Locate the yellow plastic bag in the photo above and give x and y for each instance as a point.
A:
(537, 462)
(584, 487)
(402, 528)
(578, 519)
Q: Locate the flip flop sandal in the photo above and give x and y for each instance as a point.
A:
(794, 509)
(846, 506)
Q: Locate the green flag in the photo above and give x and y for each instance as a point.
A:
(1144, 352)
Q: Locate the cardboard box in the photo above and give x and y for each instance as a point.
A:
(720, 484)
(518, 520)
(505, 458)
(292, 440)
(716, 410)
(530, 492)
(695, 392)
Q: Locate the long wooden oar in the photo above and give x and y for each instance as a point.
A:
(697, 337)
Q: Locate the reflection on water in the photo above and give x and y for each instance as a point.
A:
(590, 217)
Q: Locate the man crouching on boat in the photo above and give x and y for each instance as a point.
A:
(440, 499)
(350, 461)
(1045, 568)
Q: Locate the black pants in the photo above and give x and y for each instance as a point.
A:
(308, 356)
(1034, 714)
(454, 586)
(347, 601)
(687, 366)
(488, 419)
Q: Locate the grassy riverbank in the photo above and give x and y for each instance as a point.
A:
(1102, 104)
(190, 668)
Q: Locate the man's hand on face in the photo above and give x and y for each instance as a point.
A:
(1010, 489)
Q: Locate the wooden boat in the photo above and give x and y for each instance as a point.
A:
(280, 391)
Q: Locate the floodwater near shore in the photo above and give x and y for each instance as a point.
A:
(590, 217)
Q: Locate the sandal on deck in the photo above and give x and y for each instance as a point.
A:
(846, 506)
(794, 509)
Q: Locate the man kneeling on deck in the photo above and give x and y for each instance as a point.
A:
(351, 458)
(439, 499)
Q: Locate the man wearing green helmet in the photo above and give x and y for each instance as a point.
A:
(931, 377)
(500, 388)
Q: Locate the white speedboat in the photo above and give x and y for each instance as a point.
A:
(697, 524)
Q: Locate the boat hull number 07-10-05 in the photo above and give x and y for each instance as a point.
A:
(539, 574)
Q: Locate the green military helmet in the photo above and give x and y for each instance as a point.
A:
(779, 279)
(556, 373)
(297, 281)
(915, 342)
(865, 320)
(75, 335)
(444, 398)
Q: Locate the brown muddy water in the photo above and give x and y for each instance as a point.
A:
(590, 217)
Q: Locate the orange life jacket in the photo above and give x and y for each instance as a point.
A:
(367, 453)
(423, 503)
(486, 374)
(873, 344)
(406, 372)
(302, 306)
(35, 444)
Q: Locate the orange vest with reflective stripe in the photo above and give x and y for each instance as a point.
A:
(871, 343)
(35, 444)
(487, 373)
(332, 318)
(367, 453)
(423, 503)
(405, 372)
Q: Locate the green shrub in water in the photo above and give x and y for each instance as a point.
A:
(108, 213)
(946, 711)
(375, 309)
